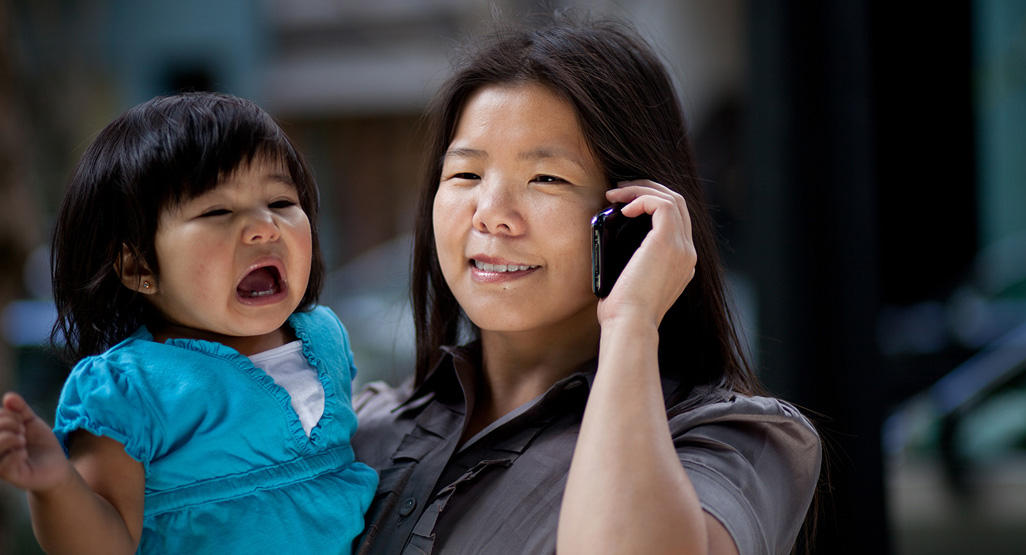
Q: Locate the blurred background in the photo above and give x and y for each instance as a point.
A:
(866, 160)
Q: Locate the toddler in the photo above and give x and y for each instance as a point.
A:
(210, 410)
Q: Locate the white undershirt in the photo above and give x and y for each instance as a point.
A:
(290, 370)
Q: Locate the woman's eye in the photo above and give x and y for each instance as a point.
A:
(285, 203)
(215, 212)
(465, 175)
(549, 179)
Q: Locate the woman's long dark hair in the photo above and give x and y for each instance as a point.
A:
(630, 115)
(159, 153)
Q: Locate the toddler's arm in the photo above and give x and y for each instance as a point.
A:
(90, 504)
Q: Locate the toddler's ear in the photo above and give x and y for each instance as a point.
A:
(134, 273)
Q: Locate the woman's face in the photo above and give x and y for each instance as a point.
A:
(512, 214)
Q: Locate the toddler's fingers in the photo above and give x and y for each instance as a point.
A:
(9, 422)
(11, 464)
(11, 439)
(11, 425)
(9, 443)
(13, 401)
(17, 405)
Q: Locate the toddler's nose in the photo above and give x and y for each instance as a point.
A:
(260, 228)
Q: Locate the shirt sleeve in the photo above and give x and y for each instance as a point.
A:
(754, 462)
(100, 398)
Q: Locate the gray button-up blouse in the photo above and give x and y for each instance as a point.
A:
(754, 462)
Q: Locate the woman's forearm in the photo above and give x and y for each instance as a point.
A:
(627, 491)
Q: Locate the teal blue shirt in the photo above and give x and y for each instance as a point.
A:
(228, 466)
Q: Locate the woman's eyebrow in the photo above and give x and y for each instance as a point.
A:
(465, 153)
(549, 152)
(542, 153)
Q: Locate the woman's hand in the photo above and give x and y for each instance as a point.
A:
(31, 458)
(644, 502)
(665, 262)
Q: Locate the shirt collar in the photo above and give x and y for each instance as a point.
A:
(457, 370)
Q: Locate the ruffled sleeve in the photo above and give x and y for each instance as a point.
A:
(347, 349)
(322, 328)
(754, 462)
(100, 398)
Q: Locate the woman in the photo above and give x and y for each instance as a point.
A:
(626, 424)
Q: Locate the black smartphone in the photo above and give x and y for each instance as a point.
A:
(614, 238)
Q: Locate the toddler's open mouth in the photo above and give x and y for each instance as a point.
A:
(263, 282)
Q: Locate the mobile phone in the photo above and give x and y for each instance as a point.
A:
(614, 238)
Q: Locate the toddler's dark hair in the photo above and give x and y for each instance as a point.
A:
(157, 154)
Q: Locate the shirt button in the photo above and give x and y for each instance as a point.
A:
(407, 507)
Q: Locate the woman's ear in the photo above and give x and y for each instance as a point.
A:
(134, 273)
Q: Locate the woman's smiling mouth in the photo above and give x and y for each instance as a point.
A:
(498, 270)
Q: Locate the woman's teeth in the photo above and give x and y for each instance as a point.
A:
(484, 266)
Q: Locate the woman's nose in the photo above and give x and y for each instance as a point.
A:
(498, 210)
(260, 227)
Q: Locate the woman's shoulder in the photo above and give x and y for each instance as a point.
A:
(743, 423)
(753, 460)
(377, 399)
(380, 430)
(711, 404)
(753, 426)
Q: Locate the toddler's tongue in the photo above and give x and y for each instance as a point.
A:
(259, 282)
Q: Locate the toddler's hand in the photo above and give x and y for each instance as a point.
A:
(31, 458)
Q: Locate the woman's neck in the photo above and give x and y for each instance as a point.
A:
(519, 366)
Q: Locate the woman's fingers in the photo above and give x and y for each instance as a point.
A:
(655, 199)
(628, 191)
